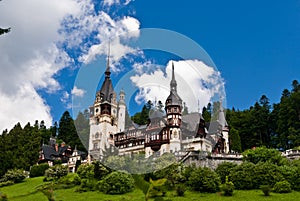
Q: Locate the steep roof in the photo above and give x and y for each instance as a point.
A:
(191, 121)
(173, 98)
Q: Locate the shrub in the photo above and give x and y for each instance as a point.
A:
(38, 170)
(282, 187)
(224, 170)
(6, 183)
(180, 189)
(15, 175)
(263, 154)
(56, 172)
(100, 171)
(266, 174)
(86, 171)
(243, 176)
(227, 188)
(3, 197)
(204, 180)
(117, 183)
(70, 180)
(87, 185)
(266, 189)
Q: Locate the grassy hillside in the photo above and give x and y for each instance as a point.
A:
(26, 191)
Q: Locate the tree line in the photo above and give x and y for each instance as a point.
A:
(20, 147)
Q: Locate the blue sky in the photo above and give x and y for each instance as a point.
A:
(254, 44)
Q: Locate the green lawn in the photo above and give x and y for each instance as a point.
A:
(26, 191)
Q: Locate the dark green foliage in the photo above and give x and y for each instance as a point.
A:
(56, 172)
(263, 154)
(6, 183)
(83, 128)
(86, 171)
(266, 174)
(204, 180)
(227, 188)
(69, 181)
(180, 189)
(282, 187)
(142, 117)
(38, 170)
(15, 175)
(291, 174)
(224, 170)
(67, 132)
(19, 148)
(266, 189)
(100, 171)
(117, 183)
(235, 140)
(3, 197)
(243, 175)
(87, 185)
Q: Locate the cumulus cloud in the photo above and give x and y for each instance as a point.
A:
(116, 2)
(44, 37)
(197, 83)
(30, 58)
(77, 92)
(111, 33)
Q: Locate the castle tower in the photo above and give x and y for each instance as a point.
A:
(225, 128)
(173, 107)
(121, 112)
(103, 119)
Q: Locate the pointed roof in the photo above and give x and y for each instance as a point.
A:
(173, 98)
(107, 89)
(221, 117)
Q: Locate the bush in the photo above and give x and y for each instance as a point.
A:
(15, 175)
(243, 176)
(70, 180)
(117, 183)
(227, 188)
(38, 170)
(282, 187)
(3, 197)
(266, 174)
(86, 171)
(204, 180)
(266, 189)
(87, 185)
(263, 154)
(180, 189)
(224, 170)
(56, 172)
(6, 183)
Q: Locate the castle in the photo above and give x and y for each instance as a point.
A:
(167, 131)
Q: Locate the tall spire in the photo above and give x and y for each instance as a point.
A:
(173, 83)
(107, 71)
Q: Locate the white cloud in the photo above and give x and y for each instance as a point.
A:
(77, 92)
(29, 58)
(32, 54)
(196, 82)
(112, 33)
(116, 2)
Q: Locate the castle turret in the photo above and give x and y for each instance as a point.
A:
(103, 120)
(173, 107)
(121, 112)
(225, 128)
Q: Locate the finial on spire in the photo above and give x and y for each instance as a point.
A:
(107, 72)
(173, 83)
